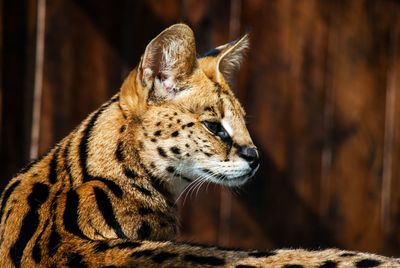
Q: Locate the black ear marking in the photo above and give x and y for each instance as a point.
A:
(211, 53)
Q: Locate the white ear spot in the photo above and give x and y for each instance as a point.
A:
(168, 84)
(164, 88)
(227, 127)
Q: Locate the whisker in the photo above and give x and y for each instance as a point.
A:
(198, 188)
(190, 190)
(208, 184)
(185, 190)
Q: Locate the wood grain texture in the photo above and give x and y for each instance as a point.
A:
(360, 67)
(391, 203)
(17, 61)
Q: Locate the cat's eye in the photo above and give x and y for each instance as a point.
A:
(217, 129)
(214, 127)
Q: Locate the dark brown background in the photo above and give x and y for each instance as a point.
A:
(321, 87)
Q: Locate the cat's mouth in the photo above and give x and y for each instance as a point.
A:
(231, 177)
(231, 181)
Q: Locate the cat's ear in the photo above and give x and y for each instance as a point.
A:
(230, 56)
(168, 59)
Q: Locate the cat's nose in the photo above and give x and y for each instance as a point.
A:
(250, 154)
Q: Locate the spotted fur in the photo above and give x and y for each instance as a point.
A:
(105, 195)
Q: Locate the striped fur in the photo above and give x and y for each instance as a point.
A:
(105, 195)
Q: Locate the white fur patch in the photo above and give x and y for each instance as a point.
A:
(227, 127)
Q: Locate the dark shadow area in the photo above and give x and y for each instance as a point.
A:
(284, 217)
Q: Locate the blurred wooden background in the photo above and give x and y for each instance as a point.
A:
(321, 85)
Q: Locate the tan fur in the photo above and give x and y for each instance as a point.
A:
(105, 195)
